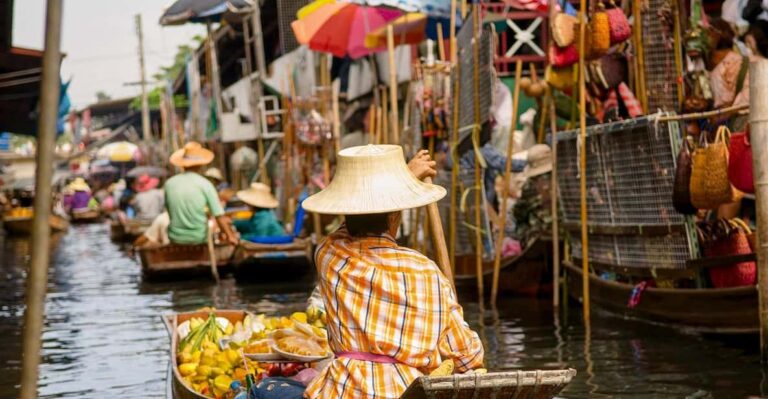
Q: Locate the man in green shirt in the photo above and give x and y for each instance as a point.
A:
(190, 198)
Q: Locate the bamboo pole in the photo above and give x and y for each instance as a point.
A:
(758, 95)
(555, 216)
(476, 133)
(37, 279)
(454, 140)
(384, 121)
(505, 190)
(440, 42)
(393, 84)
(705, 115)
(438, 238)
(583, 163)
(640, 56)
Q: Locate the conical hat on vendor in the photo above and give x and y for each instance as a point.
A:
(258, 195)
(193, 154)
(372, 179)
(214, 173)
(79, 184)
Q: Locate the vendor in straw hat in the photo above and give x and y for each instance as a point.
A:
(80, 197)
(190, 197)
(392, 315)
(263, 223)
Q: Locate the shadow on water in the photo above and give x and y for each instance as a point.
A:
(103, 337)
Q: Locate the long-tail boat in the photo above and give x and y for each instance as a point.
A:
(85, 215)
(178, 261)
(20, 223)
(128, 230)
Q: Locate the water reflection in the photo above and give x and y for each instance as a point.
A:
(103, 336)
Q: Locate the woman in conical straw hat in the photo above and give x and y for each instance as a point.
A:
(263, 223)
(392, 315)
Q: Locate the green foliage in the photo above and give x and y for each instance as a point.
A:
(154, 97)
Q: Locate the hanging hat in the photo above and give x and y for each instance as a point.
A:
(214, 173)
(372, 179)
(145, 183)
(539, 160)
(79, 184)
(193, 154)
(258, 195)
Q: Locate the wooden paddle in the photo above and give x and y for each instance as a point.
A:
(438, 238)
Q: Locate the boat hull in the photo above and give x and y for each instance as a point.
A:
(23, 225)
(88, 216)
(127, 231)
(530, 384)
(274, 262)
(704, 310)
(179, 261)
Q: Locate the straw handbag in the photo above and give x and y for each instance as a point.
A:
(740, 162)
(564, 29)
(681, 194)
(710, 186)
(563, 57)
(620, 30)
(731, 239)
(599, 33)
(561, 78)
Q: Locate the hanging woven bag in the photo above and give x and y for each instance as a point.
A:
(599, 31)
(681, 194)
(561, 78)
(710, 186)
(564, 29)
(735, 242)
(740, 162)
(562, 57)
(620, 30)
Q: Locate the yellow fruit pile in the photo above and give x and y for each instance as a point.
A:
(19, 212)
(207, 368)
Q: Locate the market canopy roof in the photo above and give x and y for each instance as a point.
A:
(183, 11)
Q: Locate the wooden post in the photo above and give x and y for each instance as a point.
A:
(555, 216)
(256, 86)
(476, 132)
(583, 163)
(37, 280)
(505, 190)
(393, 84)
(438, 238)
(758, 102)
(454, 141)
(146, 132)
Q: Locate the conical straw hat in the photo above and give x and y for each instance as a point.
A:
(193, 154)
(372, 179)
(258, 195)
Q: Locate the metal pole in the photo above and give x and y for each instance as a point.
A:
(37, 279)
(145, 128)
(758, 102)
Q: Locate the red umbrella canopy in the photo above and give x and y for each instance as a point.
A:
(341, 29)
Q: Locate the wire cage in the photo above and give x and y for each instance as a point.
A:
(661, 70)
(286, 13)
(630, 176)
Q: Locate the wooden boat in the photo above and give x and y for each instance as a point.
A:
(128, 230)
(85, 216)
(530, 384)
(179, 388)
(177, 260)
(274, 261)
(524, 274)
(22, 225)
(703, 310)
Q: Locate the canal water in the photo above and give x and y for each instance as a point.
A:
(103, 336)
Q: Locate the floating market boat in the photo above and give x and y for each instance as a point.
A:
(703, 310)
(532, 384)
(20, 223)
(177, 260)
(523, 274)
(291, 260)
(85, 215)
(128, 230)
(179, 387)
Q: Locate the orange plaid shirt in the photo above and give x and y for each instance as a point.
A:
(386, 300)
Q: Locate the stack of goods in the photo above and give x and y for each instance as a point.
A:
(710, 177)
(219, 359)
(605, 48)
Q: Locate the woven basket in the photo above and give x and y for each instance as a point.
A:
(710, 186)
(681, 194)
(564, 29)
(599, 34)
(736, 243)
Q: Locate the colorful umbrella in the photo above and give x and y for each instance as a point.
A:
(408, 29)
(340, 28)
(121, 151)
(440, 9)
